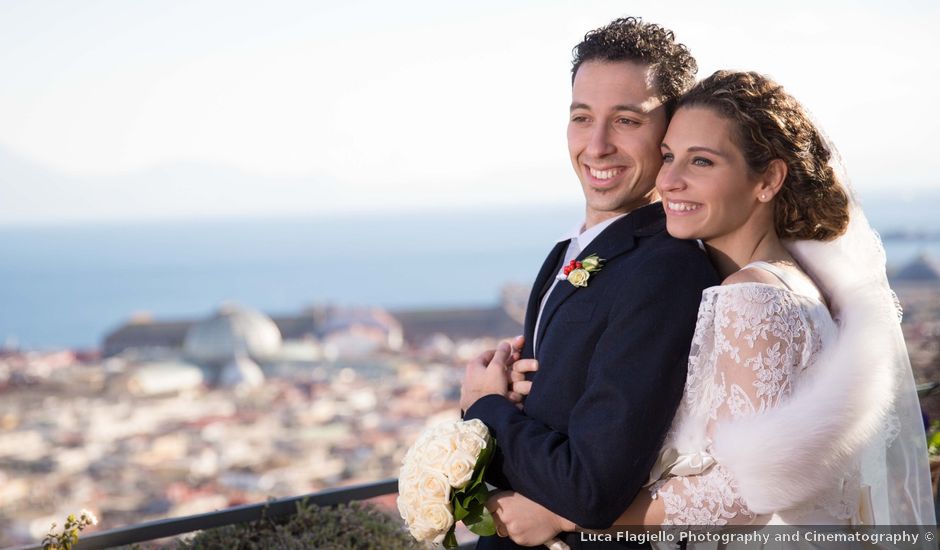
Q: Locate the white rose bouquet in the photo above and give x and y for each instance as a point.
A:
(441, 482)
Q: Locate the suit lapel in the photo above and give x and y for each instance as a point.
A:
(614, 241)
(543, 282)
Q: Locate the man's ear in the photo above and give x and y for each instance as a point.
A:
(771, 180)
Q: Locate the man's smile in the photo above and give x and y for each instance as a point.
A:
(604, 174)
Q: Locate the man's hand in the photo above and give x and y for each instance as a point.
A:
(520, 386)
(527, 523)
(487, 374)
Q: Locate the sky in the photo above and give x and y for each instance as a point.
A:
(162, 109)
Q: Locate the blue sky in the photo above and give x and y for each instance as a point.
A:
(161, 109)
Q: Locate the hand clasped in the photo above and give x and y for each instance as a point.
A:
(486, 375)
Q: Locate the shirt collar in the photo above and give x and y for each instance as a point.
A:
(584, 238)
(572, 233)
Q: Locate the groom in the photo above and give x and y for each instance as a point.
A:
(612, 354)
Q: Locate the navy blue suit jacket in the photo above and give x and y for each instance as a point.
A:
(612, 367)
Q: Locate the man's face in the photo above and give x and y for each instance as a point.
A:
(616, 125)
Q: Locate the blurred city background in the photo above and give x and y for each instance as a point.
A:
(245, 250)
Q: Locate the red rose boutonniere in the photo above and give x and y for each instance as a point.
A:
(578, 273)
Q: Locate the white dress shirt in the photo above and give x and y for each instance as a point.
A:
(580, 238)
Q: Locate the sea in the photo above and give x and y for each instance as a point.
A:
(67, 286)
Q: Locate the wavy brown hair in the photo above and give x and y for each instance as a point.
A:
(770, 124)
(632, 39)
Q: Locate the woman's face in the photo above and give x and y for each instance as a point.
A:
(707, 189)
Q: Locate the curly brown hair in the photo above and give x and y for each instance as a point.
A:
(631, 39)
(770, 124)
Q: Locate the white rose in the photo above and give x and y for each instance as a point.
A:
(413, 502)
(410, 456)
(405, 510)
(450, 437)
(421, 533)
(471, 444)
(579, 277)
(435, 454)
(409, 499)
(408, 482)
(436, 516)
(433, 486)
(459, 469)
(412, 487)
(443, 430)
(475, 426)
(408, 472)
(419, 443)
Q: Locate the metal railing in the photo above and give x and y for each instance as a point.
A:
(273, 509)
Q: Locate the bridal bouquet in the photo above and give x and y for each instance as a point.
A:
(441, 482)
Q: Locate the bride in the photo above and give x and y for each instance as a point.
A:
(799, 405)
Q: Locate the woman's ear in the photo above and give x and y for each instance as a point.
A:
(771, 180)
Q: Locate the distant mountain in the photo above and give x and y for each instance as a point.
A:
(33, 194)
(26, 188)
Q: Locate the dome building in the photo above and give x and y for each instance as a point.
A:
(233, 329)
(241, 372)
(231, 343)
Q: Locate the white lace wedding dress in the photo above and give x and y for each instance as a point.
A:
(754, 345)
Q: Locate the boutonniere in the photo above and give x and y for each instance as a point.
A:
(578, 273)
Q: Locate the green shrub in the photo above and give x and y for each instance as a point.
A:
(352, 526)
(933, 438)
(67, 537)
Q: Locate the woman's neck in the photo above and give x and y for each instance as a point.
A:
(731, 253)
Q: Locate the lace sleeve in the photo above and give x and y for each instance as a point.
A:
(758, 339)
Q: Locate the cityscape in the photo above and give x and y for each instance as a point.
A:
(175, 417)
